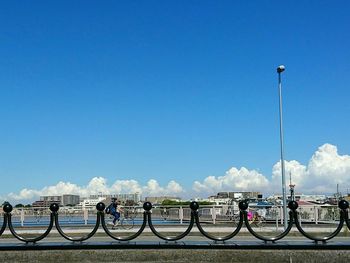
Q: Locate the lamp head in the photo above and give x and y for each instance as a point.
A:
(280, 68)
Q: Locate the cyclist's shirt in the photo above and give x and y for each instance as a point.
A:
(115, 213)
(250, 215)
(113, 208)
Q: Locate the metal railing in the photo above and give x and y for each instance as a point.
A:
(215, 214)
(192, 215)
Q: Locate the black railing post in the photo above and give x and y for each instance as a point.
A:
(7, 209)
(344, 206)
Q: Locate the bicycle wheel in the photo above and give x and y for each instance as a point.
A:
(262, 222)
(252, 223)
(235, 220)
(257, 222)
(127, 223)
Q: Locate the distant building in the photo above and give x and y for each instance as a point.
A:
(51, 198)
(70, 200)
(90, 203)
(160, 199)
(219, 200)
(239, 195)
(62, 200)
(46, 201)
(319, 199)
(222, 195)
(76, 200)
(135, 197)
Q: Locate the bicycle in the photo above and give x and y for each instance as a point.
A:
(126, 220)
(164, 213)
(257, 220)
(253, 219)
(38, 214)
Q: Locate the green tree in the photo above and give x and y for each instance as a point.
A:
(5, 203)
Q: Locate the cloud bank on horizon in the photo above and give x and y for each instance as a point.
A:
(325, 169)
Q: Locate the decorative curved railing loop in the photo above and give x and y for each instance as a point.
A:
(4, 223)
(243, 206)
(167, 238)
(24, 239)
(343, 205)
(55, 207)
(7, 209)
(146, 206)
(194, 207)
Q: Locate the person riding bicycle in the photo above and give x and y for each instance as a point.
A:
(115, 210)
(254, 217)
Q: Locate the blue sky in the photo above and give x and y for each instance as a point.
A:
(167, 90)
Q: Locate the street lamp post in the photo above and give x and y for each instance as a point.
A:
(280, 69)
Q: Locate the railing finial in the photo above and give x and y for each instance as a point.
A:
(343, 204)
(7, 208)
(100, 206)
(293, 205)
(54, 207)
(147, 206)
(194, 205)
(243, 205)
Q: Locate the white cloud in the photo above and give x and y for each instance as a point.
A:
(234, 179)
(297, 170)
(325, 169)
(154, 189)
(95, 186)
(126, 186)
(61, 187)
(23, 194)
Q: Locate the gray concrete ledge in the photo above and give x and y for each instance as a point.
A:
(179, 245)
(177, 255)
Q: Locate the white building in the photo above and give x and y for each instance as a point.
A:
(136, 197)
(320, 199)
(90, 203)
